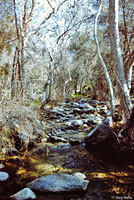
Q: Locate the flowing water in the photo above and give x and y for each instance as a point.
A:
(107, 180)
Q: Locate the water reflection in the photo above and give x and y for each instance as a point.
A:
(118, 183)
(106, 180)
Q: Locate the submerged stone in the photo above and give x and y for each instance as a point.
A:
(58, 183)
(24, 194)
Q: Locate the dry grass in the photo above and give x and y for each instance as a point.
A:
(20, 126)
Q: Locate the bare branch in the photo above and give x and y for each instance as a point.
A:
(31, 12)
(62, 35)
(16, 21)
(8, 42)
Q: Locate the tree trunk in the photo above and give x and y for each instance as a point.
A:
(126, 136)
(128, 74)
(46, 95)
(103, 64)
(117, 55)
(19, 57)
(13, 79)
(128, 56)
(65, 83)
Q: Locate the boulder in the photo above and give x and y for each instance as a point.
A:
(58, 183)
(102, 139)
(99, 133)
(3, 176)
(24, 194)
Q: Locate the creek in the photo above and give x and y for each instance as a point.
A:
(65, 152)
(107, 180)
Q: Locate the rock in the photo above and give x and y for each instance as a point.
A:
(102, 110)
(80, 175)
(61, 146)
(74, 104)
(100, 133)
(3, 176)
(58, 113)
(24, 194)
(74, 141)
(46, 107)
(83, 105)
(53, 139)
(63, 119)
(74, 123)
(94, 103)
(90, 110)
(1, 166)
(102, 139)
(58, 183)
(93, 120)
(78, 111)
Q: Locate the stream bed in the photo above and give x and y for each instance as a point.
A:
(67, 126)
(107, 180)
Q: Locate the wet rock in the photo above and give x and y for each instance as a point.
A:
(3, 176)
(24, 194)
(58, 183)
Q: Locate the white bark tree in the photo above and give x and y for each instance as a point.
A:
(103, 64)
(127, 32)
(118, 60)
